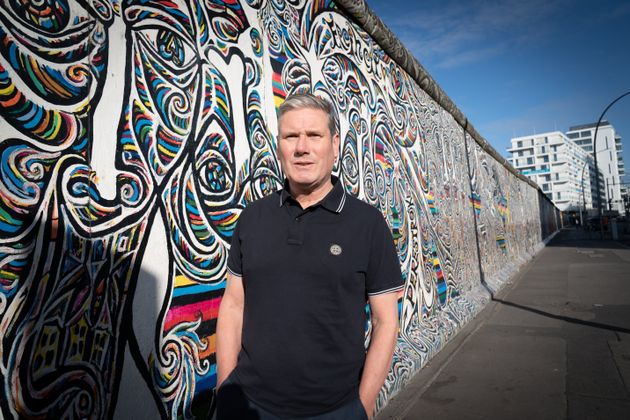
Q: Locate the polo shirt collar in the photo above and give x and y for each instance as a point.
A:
(333, 201)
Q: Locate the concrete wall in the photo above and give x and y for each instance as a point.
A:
(132, 135)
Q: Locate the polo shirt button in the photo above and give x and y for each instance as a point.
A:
(298, 219)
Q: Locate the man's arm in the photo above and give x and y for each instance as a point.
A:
(379, 355)
(229, 327)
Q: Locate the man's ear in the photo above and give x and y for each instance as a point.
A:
(336, 141)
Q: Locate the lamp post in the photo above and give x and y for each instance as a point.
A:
(583, 198)
(599, 199)
(607, 193)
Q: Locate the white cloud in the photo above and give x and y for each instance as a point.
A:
(453, 33)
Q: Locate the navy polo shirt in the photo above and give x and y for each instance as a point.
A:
(307, 274)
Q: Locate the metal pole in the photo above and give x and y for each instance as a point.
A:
(583, 198)
(607, 193)
(599, 196)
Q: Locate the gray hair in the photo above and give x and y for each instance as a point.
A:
(308, 100)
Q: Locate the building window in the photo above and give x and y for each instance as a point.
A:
(519, 144)
(588, 148)
(585, 133)
(530, 161)
(519, 154)
(545, 158)
(558, 196)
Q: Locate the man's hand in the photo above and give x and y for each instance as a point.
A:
(379, 355)
(230, 327)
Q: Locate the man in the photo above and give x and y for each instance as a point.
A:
(290, 333)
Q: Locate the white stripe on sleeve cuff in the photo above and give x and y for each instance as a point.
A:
(233, 272)
(381, 292)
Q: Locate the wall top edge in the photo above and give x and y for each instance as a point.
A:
(373, 25)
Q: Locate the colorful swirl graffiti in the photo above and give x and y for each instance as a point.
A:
(192, 142)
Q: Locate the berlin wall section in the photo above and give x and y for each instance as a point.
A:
(133, 133)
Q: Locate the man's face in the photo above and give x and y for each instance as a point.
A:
(307, 150)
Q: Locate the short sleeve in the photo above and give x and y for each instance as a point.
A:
(235, 262)
(383, 275)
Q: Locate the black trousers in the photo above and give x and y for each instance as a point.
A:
(233, 404)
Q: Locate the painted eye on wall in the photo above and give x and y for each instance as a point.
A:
(171, 47)
(48, 16)
(349, 166)
(264, 184)
(168, 45)
(296, 75)
(216, 175)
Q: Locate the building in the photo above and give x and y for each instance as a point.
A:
(560, 167)
(609, 159)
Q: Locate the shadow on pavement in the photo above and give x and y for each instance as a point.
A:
(563, 318)
(582, 238)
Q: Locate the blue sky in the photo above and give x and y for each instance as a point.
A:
(518, 67)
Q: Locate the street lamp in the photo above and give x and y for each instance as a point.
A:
(583, 198)
(608, 194)
(599, 199)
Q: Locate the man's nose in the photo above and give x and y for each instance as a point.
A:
(301, 146)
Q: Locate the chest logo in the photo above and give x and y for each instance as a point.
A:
(335, 249)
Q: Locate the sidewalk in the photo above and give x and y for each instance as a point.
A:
(554, 344)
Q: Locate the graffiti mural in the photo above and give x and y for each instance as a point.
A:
(134, 132)
(506, 212)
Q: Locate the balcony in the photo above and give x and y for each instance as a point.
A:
(523, 147)
(560, 179)
(524, 164)
(534, 171)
